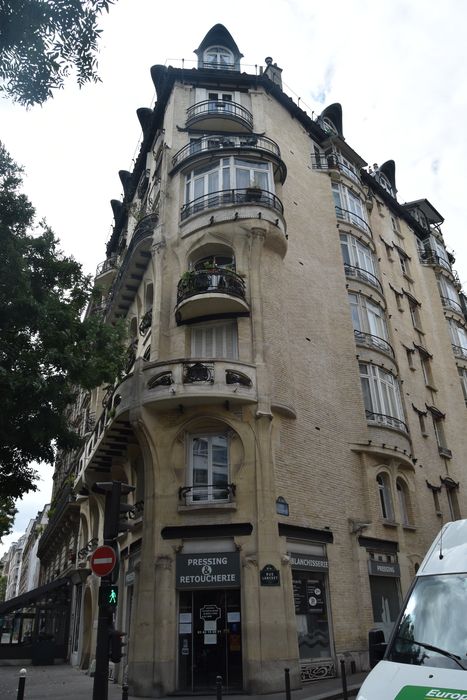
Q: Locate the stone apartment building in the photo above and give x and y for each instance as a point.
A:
(294, 405)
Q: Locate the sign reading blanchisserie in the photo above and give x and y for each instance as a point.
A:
(210, 570)
(383, 568)
(308, 562)
(270, 576)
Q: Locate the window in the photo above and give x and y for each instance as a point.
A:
(410, 354)
(453, 502)
(439, 431)
(414, 308)
(220, 101)
(403, 501)
(449, 295)
(463, 378)
(404, 263)
(214, 340)
(381, 396)
(396, 226)
(385, 500)
(225, 174)
(349, 206)
(440, 252)
(458, 338)
(368, 317)
(209, 468)
(357, 254)
(218, 57)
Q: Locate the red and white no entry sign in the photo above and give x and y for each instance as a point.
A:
(103, 560)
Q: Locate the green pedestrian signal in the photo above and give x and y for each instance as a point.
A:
(108, 597)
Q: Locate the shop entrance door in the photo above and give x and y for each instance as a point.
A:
(210, 642)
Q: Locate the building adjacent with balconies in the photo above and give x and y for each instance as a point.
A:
(291, 414)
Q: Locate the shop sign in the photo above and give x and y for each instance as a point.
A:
(270, 576)
(308, 562)
(210, 570)
(383, 568)
(130, 578)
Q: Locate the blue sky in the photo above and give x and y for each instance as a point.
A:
(397, 67)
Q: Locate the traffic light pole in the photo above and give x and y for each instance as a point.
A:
(104, 623)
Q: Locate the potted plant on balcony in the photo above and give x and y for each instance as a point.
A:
(253, 192)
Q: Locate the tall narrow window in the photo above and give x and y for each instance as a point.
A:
(349, 206)
(209, 468)
(463, 379)
(403, 501)
(381, 396)
(385, 500)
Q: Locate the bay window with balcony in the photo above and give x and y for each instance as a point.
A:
(359, 260)
(458, 339)
(350, 207)
(381, 397)
(369, 323)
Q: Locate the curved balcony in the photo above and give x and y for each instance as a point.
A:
(222, 115)
(452, 305)
(353, 219)
(106, 269)
(331, 161)
(209, 293)
(132, 268)
(359, 273)
(178, 383)
(459, 352)
(385, 421)
(221, 198)
(250, 144)
(373, 342)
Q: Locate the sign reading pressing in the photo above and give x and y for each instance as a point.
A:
(383, 568)
(270, 576)
(209, 570)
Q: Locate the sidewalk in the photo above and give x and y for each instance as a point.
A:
(63, 682)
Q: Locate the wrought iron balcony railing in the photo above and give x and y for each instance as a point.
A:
(222, 108)
(216, 142)
(355, 219)
(207, 493)
(429, 257)
(373, 341)
(386, 421)
(106, 265)
(220, 280)
(459, 351)
(331, 161)
(363, 275)
(452, 305)
(245, 195)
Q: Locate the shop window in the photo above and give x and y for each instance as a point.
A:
(385, 601)
(385, 499)
(208, 468)
(403, 499)
(214, 340)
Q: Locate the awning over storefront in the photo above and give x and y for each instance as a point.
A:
(34, 597)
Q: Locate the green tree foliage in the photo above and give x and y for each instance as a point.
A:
(3, 582)
(7, 516)
(42, 40)
(47, 351)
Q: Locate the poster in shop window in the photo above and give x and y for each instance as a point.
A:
(308, 596)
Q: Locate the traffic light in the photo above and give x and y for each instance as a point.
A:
(116, 645)
(108, 597)
(114, 508)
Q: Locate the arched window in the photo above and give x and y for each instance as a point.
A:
(385, 499)
(403, 501)
(208, 468)
(218, 57)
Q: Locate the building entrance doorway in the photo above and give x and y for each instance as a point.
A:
(209, 640)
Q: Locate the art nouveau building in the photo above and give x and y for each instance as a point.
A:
(293, 411)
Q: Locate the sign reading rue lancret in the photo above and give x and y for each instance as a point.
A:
(270, 576)
(211, 570)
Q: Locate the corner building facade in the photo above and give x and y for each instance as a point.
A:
(293, 413)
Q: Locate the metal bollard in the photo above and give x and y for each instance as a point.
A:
(218, 687)
(124, 691)
(287, 683)
(21, 684)
(345, 693)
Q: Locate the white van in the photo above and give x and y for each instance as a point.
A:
(426, 656)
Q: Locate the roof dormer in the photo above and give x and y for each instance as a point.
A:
(218, 50)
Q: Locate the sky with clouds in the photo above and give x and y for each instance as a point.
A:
(396, 66)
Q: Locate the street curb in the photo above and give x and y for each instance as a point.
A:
(336, 694)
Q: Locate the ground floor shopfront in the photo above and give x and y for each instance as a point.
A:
(218, 611)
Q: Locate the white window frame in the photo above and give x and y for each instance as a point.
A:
(226, 174)
(367, 316)
(218, 64)
(357, 254)
(403, 499)
(355, 210)
(207, 493)
(381, 394)
(219, 330)
(463, 380)
(458, 334)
